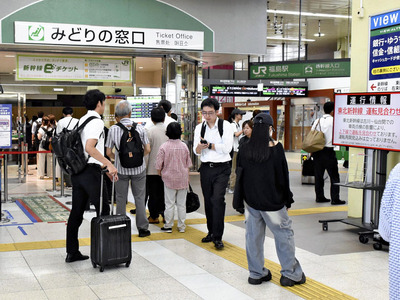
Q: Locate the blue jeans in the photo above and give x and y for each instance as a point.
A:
(280, 225)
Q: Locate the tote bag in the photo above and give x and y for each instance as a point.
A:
(314, 140)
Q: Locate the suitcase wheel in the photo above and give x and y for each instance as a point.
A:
(101, 269)
(94, 265)
(127, 264)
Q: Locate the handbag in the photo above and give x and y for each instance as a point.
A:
(308, 167)
(314, 140)
(192, 201)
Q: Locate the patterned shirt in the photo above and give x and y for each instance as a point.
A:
(173, 159)
(389, 228)
(113, 140)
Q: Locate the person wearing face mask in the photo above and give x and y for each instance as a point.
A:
(267, 196)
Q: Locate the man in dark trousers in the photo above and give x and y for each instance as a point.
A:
(325, 159)
(213, 149)
(86, 184)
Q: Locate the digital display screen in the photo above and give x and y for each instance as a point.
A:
(284, 91)
(252, 91)
(142, 107)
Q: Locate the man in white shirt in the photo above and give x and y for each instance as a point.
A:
(325, 159)
(66, 122)
(167, 107)
(213, 148)
(237, 115)
(86, 184)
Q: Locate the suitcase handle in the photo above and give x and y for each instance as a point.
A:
(103, 171)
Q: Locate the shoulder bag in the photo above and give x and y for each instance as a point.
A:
(315, 140)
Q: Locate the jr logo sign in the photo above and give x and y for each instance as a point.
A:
(36, 33)
(260, 70)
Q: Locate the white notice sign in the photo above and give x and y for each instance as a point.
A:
(64, 68)
(367, 121)
(89, 35)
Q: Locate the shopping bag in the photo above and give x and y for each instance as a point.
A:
(192, 201)
(314, 140)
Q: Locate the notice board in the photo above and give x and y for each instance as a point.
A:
(367, 121)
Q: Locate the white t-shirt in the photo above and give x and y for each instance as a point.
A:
(235, 128)
(64, 122)
(93, 130)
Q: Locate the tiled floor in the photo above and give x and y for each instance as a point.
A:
(177, 266)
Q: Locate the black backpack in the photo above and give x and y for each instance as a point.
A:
(67, 146)
(46, 139)
(130, 147)
(36, 141)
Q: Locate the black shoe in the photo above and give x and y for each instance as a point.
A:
(322, 200)
(338, 202)
(289, 282)
(219, 245)
(240, 210)
(133, 211)
(144, 232)
(75, 257)
(254, 281)
(207, 239)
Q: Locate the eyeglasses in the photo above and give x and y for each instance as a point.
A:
(209, 113)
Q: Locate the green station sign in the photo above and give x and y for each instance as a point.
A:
(304, 69)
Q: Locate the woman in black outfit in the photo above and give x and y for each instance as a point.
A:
(265, 184)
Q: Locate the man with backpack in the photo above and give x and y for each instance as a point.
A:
(213, 141)
(69, 123)
(86, 183)
(131, 144)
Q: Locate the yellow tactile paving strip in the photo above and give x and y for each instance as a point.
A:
(312, 289)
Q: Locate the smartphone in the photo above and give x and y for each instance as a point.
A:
(203, 142)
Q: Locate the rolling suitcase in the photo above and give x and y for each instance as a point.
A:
(110, 237)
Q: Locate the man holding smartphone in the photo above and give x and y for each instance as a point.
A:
(213, 143)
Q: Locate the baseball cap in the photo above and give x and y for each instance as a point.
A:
(263, 118)
(237, 111)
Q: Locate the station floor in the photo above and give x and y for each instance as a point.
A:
(177, 265)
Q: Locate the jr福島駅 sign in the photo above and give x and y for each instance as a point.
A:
(304, 69)
(384, 52)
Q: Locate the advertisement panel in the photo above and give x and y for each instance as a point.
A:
(5, 126)
(384, 52)
(65, 68)
(367, 121)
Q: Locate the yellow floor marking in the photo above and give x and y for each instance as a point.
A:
(310, 290)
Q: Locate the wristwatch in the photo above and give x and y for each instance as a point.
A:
(209, 145)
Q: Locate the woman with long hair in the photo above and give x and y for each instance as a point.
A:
(45, 130)
(265, 184)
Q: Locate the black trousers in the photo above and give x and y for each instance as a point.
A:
(155, 190)
(326, 160)
(85, 190)
(214, 181)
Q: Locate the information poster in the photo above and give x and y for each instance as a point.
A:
(5, 126)
(384, 53)
(367, 121)
(142, 106)
(64, 68)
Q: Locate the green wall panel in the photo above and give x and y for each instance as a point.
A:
(124, 13)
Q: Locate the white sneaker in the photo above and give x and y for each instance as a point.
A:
(182, 230)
